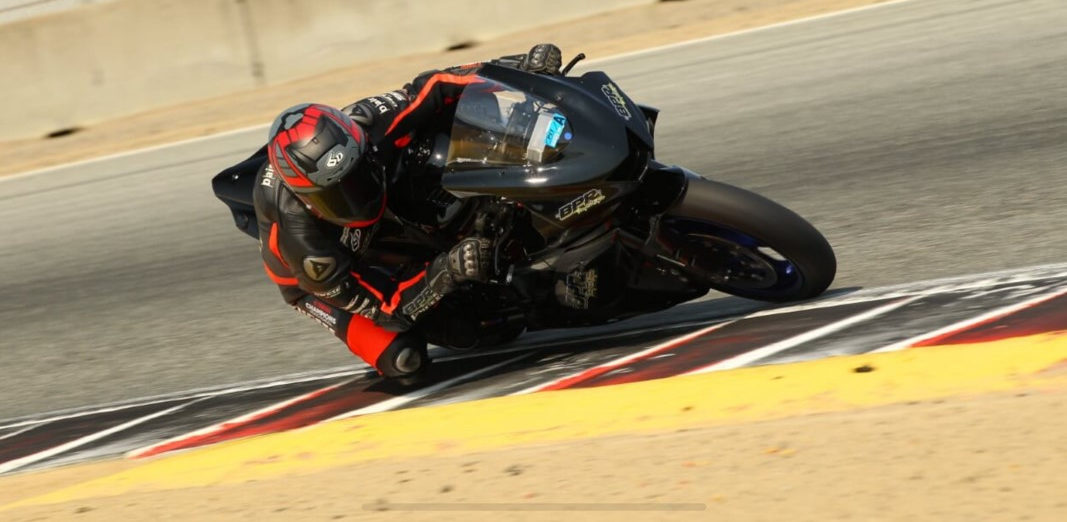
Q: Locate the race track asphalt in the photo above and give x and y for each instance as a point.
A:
(925, 139)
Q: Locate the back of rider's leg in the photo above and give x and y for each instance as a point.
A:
(392, 354)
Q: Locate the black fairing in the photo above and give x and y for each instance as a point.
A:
(610, 148)
(234, 187)
(595, 83)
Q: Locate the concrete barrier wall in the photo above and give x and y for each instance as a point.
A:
(104, 60)
(114, 58)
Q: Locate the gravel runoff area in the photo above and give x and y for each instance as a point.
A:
(598, 36)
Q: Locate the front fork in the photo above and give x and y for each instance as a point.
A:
(662, 187)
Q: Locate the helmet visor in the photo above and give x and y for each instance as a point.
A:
(356, 199)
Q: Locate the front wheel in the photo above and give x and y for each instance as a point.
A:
(746, 245)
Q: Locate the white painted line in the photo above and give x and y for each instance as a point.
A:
(972, 322)
(51, 452)
(635, 332)
(930, 287)
(750, 357)
(973, 281)
(610, 365)
(18, 432)
(236, 421)
(927, 287)
(284, 380)
(316, 375)
(751, 30)
(135, 152)
(619, 56)
(396, 402)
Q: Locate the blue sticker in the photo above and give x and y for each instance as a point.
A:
(555, 130)
(567, 136)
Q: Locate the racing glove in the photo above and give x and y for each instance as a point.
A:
(544, 58)
(470, 260)
(394, 322)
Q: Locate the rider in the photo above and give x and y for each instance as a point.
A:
(319, 200)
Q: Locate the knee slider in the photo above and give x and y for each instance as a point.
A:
(405, 356)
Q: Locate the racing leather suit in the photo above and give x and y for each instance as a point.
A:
(317, 265)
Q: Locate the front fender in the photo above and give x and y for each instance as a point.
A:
(651, 115)
(662, 186)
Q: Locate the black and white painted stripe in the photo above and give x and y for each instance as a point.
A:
(864, 321)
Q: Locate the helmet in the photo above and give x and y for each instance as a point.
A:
(318, 151)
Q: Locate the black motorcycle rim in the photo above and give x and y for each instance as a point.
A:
(733, 261)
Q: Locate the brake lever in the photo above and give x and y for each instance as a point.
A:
(509, 275)
(570, 65)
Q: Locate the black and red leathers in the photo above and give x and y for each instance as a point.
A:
(317, 264)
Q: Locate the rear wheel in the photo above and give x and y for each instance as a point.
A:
(746, 245)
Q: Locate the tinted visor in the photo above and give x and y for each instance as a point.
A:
(357, 199)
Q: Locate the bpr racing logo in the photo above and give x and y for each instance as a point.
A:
(617, 100)
(584, 202)
(424, 300)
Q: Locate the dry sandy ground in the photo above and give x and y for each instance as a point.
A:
(992, 457)
(598, 36)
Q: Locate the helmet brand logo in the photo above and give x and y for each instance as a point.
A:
(335, 158)
(353, 238)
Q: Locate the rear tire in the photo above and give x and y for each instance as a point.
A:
(759, 233)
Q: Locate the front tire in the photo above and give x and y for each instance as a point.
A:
(747, 245)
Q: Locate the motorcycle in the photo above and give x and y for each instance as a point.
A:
(589, 226)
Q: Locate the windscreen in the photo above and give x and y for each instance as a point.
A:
(496, 124)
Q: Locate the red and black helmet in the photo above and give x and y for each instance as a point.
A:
(318, 151)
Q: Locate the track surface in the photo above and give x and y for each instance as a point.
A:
(1023, 304)
(924, 138)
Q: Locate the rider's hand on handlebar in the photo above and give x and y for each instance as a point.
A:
(543, 58)
(471, 260)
